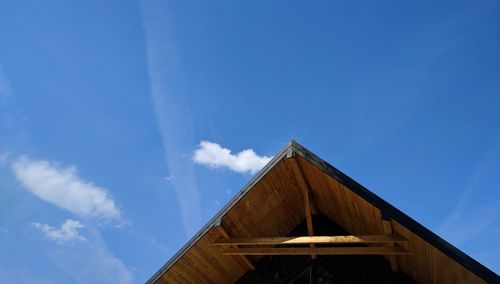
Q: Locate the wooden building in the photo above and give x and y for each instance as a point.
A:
(300, 220)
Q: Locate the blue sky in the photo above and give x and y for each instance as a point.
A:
(117, 118)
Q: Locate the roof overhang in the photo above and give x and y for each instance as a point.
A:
(354, 201)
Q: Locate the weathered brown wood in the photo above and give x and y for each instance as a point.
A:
(359, 239)
(316, 251)
(245, 259)
(306, 192)
(392, 258)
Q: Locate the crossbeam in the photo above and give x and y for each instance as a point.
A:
(316, 251)
(358, 239)
(246, 260)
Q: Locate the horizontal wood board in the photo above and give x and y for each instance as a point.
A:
(350, 239)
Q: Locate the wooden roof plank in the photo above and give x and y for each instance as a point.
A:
(359, 211)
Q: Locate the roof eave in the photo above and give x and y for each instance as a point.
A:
(388, 211)
(215, 221)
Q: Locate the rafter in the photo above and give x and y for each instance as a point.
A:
(306, 192)
(392, 258)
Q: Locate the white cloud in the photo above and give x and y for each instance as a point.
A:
(67, 232)
(62, 187)
(213, 155)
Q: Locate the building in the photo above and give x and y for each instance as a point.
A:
(300, 220)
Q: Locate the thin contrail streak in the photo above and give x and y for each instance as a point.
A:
(171, 110)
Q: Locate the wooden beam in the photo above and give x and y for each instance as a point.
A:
(316, 251)
(358, 239)
(392, 258)
(247, 261)
(304, 188)
(306, 192)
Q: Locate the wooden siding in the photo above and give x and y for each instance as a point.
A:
(275, 205)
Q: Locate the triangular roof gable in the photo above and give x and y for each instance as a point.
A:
(273, 193)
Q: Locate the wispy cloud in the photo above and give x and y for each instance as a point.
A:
(171, 109)
(213, 155)
(68, 231)
(88, 261)
(5, 87)
(3, 159)
(159, 245)
(12, 122)
(479, 204)
(62, 187)
(91, 261)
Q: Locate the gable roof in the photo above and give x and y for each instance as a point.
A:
(271, 204)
